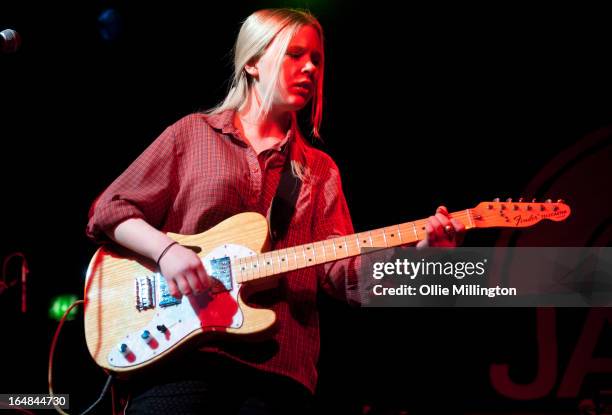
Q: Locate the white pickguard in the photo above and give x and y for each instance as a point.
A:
(180, 320)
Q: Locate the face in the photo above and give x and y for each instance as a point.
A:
(299, 70)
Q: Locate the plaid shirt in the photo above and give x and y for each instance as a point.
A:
(200, 171)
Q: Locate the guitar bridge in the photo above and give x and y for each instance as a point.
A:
(145, 292)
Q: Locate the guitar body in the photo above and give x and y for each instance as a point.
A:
(125, 297)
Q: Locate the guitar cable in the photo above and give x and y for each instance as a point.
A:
(50, 373)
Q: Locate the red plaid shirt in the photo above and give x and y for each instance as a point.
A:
(200, 171)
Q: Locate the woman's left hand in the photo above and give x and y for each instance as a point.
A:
(442, 231)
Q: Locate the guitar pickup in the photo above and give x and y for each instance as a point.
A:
(165, 298)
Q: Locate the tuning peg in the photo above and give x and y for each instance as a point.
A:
(548, 201)
(520, 200)
(496, 200)
(534, 200)
(560, 201)
(509, 200)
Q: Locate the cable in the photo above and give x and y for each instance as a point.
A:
(104, 390)
(50, 374)
(52, 351)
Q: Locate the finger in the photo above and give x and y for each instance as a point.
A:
(460, 229)
(459, 226)
(183, 285)
(438, 229)
(194, 282)
(203, 277)
(442, 209)
(423, 243)
(444, 220)
(174, 291)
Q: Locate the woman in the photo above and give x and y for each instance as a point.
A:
(208, 167)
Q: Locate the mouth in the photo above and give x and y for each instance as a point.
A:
(305, 87)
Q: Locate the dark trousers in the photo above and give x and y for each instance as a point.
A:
(210, 384)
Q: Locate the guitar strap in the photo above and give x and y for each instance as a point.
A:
(282, 207)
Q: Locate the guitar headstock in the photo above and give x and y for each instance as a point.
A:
(519, 214)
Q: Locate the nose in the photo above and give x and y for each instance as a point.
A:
(309, 67)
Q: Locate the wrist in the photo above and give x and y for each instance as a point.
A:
(164, 252)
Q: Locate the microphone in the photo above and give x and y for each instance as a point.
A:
(9, 41)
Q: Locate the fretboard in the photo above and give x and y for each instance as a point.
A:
(280, 261)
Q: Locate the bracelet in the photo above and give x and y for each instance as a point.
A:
(164, 253)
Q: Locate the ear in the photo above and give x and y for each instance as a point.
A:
(251, 69)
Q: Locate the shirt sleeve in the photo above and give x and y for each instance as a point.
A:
(143, 190)
(350, 279)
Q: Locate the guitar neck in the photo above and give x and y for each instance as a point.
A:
(272, 263)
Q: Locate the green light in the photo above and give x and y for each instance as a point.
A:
(60, 304)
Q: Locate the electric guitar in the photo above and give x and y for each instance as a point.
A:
(132, 321)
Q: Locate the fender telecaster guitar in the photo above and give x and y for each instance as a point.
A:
(131, 320)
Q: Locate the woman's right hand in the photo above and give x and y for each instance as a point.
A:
(183, 270)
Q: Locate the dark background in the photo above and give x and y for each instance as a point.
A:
(424, 106)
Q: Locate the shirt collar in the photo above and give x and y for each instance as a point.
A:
(224, 122)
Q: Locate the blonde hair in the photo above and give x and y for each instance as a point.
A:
(256, 34)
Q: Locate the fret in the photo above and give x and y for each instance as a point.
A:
(470, 219)
(385, 238)
(324, 253)
(285, 259)
(399, 234)
(416, 234)
(257, 266)
(315, 250)
(261, 265)
(371, 243)
(304, 254)
(295, 256)
(268, 264)
(249, 267)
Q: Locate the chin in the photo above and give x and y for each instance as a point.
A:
(297, 103)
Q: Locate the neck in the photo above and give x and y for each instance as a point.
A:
(270, 127)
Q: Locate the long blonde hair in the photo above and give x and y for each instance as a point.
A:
(256, 34)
